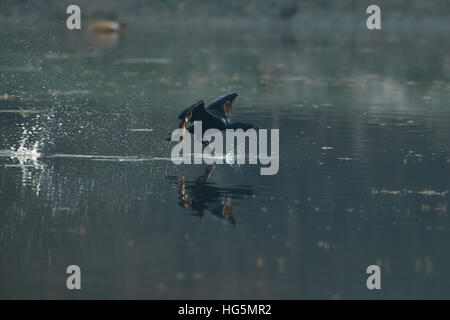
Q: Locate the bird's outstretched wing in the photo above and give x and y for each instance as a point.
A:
(198, 112)
(221, 107)
(194, 111)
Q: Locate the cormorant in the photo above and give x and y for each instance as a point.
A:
(216, 116)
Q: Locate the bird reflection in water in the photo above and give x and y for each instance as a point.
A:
(202, 197)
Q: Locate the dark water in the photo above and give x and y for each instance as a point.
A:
(85, 180)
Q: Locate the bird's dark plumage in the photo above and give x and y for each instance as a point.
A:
(221, 107)
(216, 116)
(198, 112)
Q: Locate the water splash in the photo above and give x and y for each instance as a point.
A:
(24, 155)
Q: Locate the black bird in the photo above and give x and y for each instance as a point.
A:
(216, 116)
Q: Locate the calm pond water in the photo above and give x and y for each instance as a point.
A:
(85, 180)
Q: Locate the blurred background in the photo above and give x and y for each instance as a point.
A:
(86, 176)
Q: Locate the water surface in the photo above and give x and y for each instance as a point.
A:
(85, 176)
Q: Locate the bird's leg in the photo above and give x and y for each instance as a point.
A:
(208, 171)
(198, 213)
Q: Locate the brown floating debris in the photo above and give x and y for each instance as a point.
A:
(143, 61)
(425, 192)
(323, 245)
(180, 275)
(106, 27)
(198, 276)
(259, 262)
(428, 192)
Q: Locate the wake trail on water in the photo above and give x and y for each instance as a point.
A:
(33, 154)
